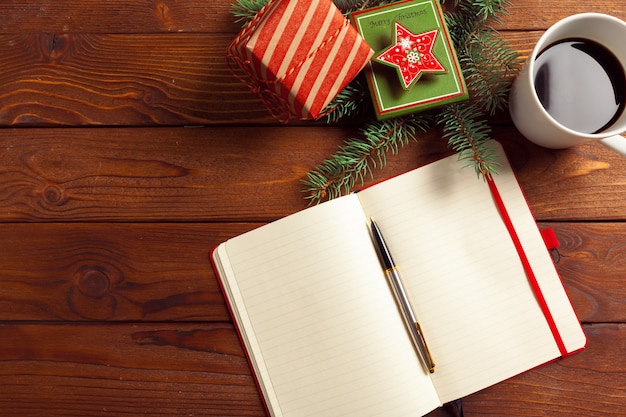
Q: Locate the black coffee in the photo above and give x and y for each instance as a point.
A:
(581, 84)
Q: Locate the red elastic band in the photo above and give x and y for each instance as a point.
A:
(527, 267)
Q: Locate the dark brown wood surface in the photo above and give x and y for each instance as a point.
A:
(127, 151)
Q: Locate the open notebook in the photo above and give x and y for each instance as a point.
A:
(321, 327)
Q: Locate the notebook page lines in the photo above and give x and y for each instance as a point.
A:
(327, 329)
(461, 270)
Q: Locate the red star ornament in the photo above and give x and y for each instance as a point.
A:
(411, 54)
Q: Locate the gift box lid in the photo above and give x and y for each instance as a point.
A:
(417, 21)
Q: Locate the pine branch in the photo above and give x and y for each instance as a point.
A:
(487, 9)
(488, 66)
(470, 17)
(469, 135)
(245, 10)
(487, 61)
(354, 161)
(351, 102)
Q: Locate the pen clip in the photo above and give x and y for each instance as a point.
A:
(428, 359)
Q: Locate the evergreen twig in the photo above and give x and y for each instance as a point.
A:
(487, 61)
(245, 10)
(351, 102)
(468, 134)
(354, 161)
(489, 66)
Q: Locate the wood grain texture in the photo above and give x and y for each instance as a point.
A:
(592, 263)
(166, 16)
(539, 14)
(161, 272)
(128, 369)
(170, 174)
(117, 16)
(581, 183)
(129, 80)
(187, 174)
(111, 272)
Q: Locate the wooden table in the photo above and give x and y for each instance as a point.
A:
(127, 150)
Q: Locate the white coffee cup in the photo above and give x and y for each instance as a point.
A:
(528, 113)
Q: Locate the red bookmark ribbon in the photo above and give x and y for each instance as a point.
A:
(527, 267)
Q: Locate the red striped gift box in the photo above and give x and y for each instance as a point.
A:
(298, 55)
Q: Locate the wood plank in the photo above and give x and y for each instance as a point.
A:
(134, 369)
(169, 174)
(129, 80)
(539, 14)
(111, 272)
(590, 383)
(162, 16)
(584, 182)
(117, 16)
(199, 369)
(156, 174)
(592, 264)
(161, 272)
(213, 174)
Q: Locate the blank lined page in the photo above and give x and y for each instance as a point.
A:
(319, 320)
(463, 274)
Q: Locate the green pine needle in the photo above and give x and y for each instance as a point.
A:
(245, 10)
(351, 102)
(353, 163)
(488, 66)
(468, 134)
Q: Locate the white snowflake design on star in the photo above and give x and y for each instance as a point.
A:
(405, 43)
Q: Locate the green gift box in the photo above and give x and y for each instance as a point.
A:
(416, 31)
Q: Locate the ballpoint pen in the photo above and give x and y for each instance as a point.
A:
(399, 292)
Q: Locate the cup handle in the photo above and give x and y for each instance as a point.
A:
(617, 143)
